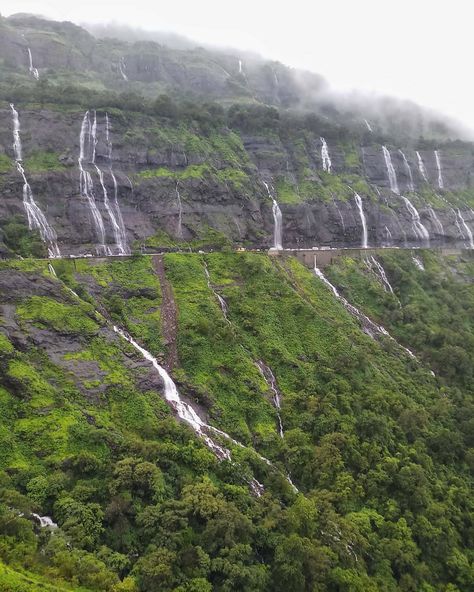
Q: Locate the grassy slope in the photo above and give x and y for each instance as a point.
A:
(364, 424)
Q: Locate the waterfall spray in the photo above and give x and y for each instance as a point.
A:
(392, 177)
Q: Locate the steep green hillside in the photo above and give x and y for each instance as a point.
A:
(378, 448)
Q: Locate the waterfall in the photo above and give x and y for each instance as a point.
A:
(421, 167)
(93, 136)
(188, 415)
(179, 231)
(117, 230)
(418, 263)
(277, 220)
(36, 219)
(122, 68)
(438, 166)
(358, 200)
(222, 302)
(44, 521)
(421, 231)
(270, 379)
(368, 325)
(388, 235)
(86, 184)
(467, 229)
(380, 271)
(119, 226)
(369, 127)
(33, 71)
(340, 216)
(411, 186)
(16, 134)
(436, 222)
(325, 156)
(240, 66)
(392, 177)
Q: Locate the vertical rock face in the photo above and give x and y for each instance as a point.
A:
(225, 192)
(316, 164)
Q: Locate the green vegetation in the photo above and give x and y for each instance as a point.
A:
(43, 162)
(380, 450)
(6, 164)
(20, 240)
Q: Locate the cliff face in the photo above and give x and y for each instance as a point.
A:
(218, 182)
(170, 181)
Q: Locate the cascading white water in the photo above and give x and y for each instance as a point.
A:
(44, 521)
(421, 167)
(117, 230)
(467, 229)
(369, 127)
(93, 136)
(122, 68)
(85, 180)
(16, 134)
(277, 220)
(392, 176)
(360, 207)
(420, 230)
(381, 273)
(179, 231)
(436, 222)
(325, 156)
(36, 219)
(240, 66)
(438, 166)
(368, 325)
(107, 137)
(418, 263)
(222, 302)
(122, 231)
(410, 184)
(187, 413)
(33, 71)
(270, 379)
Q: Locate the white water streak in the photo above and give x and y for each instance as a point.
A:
(436, 222)
(36, 219)
(411, 185)
(369, 127)
(270, 379)
(467, 229)
(380, 272)
(360, 207)
(277, 220)
(45, 521)
(438, 166)
(220, 299)
(421, 167)
(325, 156)
(392, 177)
(179, 231)
(420, 230)
(418, 263)
(33, 71)
(122, 68)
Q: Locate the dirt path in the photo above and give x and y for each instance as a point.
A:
(169, 315)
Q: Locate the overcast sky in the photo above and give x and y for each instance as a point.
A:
(417, 49)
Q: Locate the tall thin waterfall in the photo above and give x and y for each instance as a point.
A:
(93, 136)
(421, 167)
(117, 230)
(122, 68)
(380, 271)
(33, 71)
(179, 231)
(369, 127)
(325, 156)
(436, 222)
(187, 414)
(222, 302)
(420, 230)
(360, 207)
(418, 263)
(270, 379)
(368, 325)
(277, 220)
(36, 219)
(118, 226)
(438, 166)
(85, 179)
(411, 186)
(467, 229)
(392, 177)
(240, 66)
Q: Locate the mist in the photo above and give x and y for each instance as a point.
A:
(409, 51)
